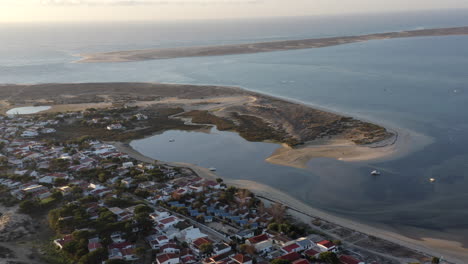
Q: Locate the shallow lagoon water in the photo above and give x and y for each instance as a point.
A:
(27, 110)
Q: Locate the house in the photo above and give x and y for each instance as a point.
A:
(304, 243)
(170, 248)
(349, 260)
(301, 261)
(92, 246)
(312, 253)
(193, 234)
(127, 165)
(162, 240)
(291, 248)
(117, 237)
(218, 259)
(221, 248)
(257, 239)
(326, 245)
(291, 257)
(62, 241)
(244, 234)
(262, 243)
(124, 250)
(242, 259)
(115, 127)
(197, 243)
(168, 222)
(168, 259)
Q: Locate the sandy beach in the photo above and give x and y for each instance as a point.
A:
(249, 48)
(402, 143)
(452, 251)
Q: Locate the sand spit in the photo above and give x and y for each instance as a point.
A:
(249, 48)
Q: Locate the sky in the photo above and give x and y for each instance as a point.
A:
(154, 10)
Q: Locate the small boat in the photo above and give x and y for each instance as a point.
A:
(212, 169)
(432, 180)
(375, 173)
(171, 140)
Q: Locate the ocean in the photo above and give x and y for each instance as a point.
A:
(418, 84)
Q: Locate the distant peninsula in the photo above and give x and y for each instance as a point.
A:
(249, 48)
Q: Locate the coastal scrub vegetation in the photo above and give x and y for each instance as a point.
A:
(249, 127)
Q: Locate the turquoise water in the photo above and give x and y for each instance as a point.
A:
(419, 84)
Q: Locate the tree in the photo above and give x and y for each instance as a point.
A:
(200, 218)
(329, 257)
(95, 257)
(247, 249)
(280, 261)
(273, 227)
(206, 248)
(29, 206)
(219, 180)
(143, 209)
(140, 251)
(278, 211)
(435, 260)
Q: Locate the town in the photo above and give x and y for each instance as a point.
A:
(107, 207)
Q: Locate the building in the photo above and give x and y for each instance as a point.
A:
(168, 259)
(62, 241)
(242, 259)
(326, 245)
(349, 260)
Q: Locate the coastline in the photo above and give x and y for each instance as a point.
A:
(452, 251)
(250, 48)
(402, 143)
(255, 116)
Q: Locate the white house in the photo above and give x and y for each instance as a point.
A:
(193, 234)
(326, 245)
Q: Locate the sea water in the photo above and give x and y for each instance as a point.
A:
(419, 84)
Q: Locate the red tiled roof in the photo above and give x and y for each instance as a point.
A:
(167, 220)
(165, 257)
(162, 238)
(326, 243)
(293, 256)
(311, 252)
(241, 258)
(301, 261)
(94, 245)
(258, 239)
(128, 251)
(170, 245)
(348, 260)
(290, 248)
(119, 245)
(200, 241)
(187, 259)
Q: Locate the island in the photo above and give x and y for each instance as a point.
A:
(249, 48)
(304, 132)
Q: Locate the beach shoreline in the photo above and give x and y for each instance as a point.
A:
(250, 48)
(452, 251)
